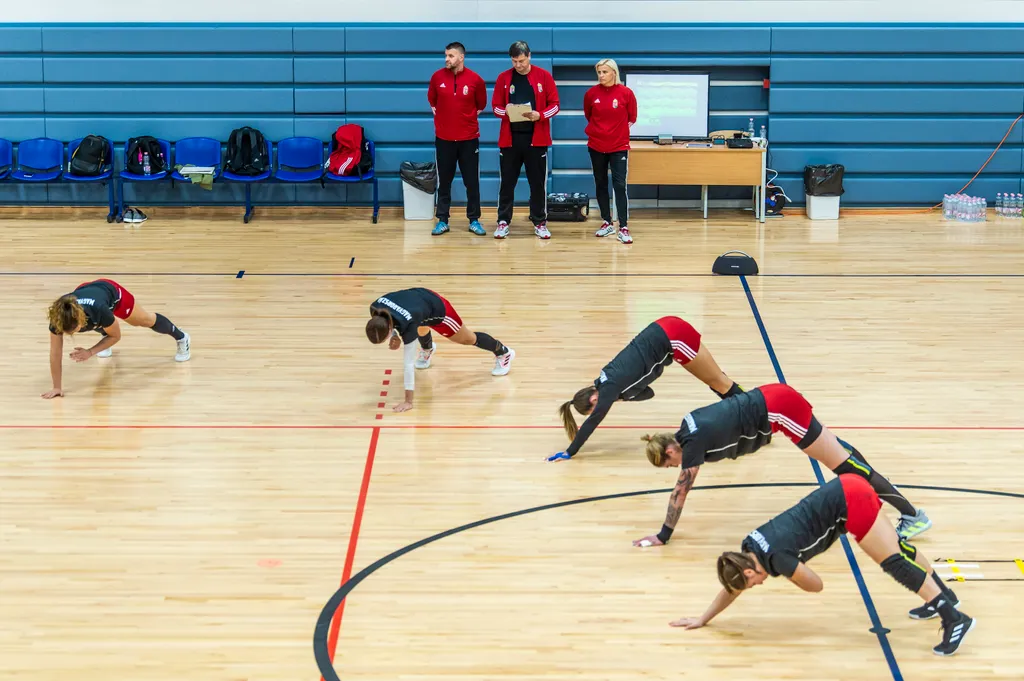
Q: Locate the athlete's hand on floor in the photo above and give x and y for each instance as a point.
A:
(395, 343)
(53, 393)
(648, 541)
(560, 456)
(687, 623)
(80, 354)
(403, 406)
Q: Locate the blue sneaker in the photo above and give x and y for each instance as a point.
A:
(440, 228)
(476, 228)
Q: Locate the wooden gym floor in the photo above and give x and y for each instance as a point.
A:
(172, 521)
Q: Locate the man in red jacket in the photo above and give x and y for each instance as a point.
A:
(457, 96)
(524, 143)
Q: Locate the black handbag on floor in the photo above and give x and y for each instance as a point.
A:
(568, 207)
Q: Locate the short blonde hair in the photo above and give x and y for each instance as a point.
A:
(610, 63)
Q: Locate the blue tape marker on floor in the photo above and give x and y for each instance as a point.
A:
(876, 624)
(351, 262)
(240, 273)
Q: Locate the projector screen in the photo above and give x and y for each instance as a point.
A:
(670, 104)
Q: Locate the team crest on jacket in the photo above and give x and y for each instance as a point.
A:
(615, 104)
(511, 89)
(540, 87)
(465, 89)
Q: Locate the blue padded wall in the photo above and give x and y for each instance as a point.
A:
(911, 111)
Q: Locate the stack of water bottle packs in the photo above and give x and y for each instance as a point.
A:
(964, 208)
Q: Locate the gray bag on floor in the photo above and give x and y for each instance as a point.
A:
(422, 176)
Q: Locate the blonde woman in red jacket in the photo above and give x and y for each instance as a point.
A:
(524, 143)
(610, 110)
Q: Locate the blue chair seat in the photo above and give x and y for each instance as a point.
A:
(134, 177)
(265, 175)
(350, 178)
(105, 175)
(298, 175)
(36, 176)
(4, 173)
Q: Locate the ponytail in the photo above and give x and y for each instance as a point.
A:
(568, 422)
(657, 447)
(581, 401)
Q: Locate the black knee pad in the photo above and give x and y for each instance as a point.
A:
(854, 466)
(905, 571)
(908, 550)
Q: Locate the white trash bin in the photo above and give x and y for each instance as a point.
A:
(822, 207)
(418, 205)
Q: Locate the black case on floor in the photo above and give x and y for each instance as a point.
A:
(568, 207)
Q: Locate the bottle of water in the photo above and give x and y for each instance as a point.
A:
(750, 128)
(764, 133)
(984, 210)
(145, 164)
(1019, 207)
(999, 203)
(945, 206)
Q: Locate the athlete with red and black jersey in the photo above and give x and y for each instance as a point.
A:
(96, 306)
(742, 424)
(408, 316)
(784, 545)
(629, 375)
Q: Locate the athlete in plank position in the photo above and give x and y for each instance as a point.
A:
(783, 545)
(96, 306)
(409, 315)
(628, 377)
(744, 423)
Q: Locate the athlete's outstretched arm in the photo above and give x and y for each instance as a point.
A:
(722, 601)
(606, 397)
(409, 362)
(675, 508)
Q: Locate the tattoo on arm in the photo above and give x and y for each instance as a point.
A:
(678, 498)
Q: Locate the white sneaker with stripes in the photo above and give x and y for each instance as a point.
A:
(423, 357)
(503, 363)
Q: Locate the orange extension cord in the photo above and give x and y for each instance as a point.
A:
(939, 205)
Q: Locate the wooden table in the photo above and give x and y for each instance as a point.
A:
(677, 164)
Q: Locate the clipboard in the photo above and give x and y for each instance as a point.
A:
(515, 112)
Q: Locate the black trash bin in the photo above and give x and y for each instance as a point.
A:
(824, 180)
(419, 184)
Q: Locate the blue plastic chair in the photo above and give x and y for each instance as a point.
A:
(248, 180)
(299, 159)
(106, 175)
(196, 151)
(136, 177)
(39, 160)
(6, 158)
(370, 176)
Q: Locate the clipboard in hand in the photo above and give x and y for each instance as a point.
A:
(515, 112)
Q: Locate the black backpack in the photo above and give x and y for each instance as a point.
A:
(138, 147)
(247, 152)
(90, 158)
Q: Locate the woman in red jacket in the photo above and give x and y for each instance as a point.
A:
(610, 109)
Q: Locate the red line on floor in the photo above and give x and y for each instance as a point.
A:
(350, 556)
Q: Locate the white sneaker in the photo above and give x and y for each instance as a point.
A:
(105, 353)
(502, 230)
(624, 235)
(423, 357)
(504, 363)
(184, 349)
(541, 231)
(606, 229)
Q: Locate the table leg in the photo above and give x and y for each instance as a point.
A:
(704, 199)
